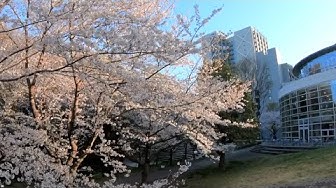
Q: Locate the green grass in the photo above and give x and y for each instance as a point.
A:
(287, 169)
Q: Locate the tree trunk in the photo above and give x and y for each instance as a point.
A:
(221, 163)
(186, 151)
(75, 165)
(73, 153)
(74, 168)
(194, 152)
(72, 120)
(32, 98)
(171, 157)
(145, 166)
(145, 173)
(30, 82)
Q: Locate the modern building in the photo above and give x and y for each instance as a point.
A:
(308, 103)
(242, 45)
(285, 70)
(270, 59)
(250, 46)
(246, 43)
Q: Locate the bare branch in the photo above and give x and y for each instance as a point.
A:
(3, 4)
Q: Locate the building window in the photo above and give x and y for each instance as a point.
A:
(315, 105)
(333, 90)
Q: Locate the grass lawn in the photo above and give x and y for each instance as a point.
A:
(287, 169)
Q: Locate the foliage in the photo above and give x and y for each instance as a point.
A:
(225, 70)
(85, 78)
(246, 115)
(238, 134)
(241, 135)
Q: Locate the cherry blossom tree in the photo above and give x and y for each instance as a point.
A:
(221, 69)
(71, 70)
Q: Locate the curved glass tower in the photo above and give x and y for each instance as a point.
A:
(308, 104)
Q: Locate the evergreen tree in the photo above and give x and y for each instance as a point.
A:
(226, 71)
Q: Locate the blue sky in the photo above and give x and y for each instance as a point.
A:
(296, 27)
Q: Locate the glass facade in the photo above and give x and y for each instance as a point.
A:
(319, 64)
(309, 113)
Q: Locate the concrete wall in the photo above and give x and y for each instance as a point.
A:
(271, 60)
(246, 42)
(284, 69)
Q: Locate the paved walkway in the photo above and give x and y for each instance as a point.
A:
(238, 155)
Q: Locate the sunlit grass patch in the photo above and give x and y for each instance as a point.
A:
(270, 170)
